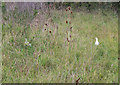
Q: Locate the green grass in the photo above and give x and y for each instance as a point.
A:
(53, 59)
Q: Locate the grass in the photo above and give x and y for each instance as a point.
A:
(53, 59)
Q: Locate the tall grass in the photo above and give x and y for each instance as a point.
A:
(52, 59)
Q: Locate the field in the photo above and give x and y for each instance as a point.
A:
(62, 48)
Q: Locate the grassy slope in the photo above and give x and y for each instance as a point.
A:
(54, 60)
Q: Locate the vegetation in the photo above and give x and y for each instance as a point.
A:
(62, 47)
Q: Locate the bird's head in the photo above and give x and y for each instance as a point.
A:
(96, 39)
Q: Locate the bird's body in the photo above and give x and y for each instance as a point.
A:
(96, 43)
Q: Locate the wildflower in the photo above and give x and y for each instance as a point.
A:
(45, 29)
(27, 43)
(50, 31)
(71, 12)
(66, 9)
(96, 43)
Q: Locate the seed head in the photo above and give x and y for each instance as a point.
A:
(70, 28)
(69, 8)
(46, 24)
(70, 22)
(50, 5)
(66, 22)
(67, 40)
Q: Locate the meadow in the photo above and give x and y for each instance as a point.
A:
(62, 47)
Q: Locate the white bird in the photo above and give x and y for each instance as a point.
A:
(96, 43)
